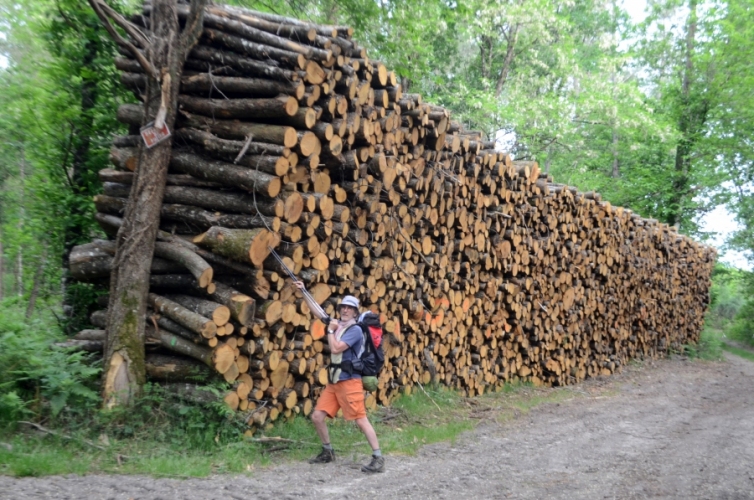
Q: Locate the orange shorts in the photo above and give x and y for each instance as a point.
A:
(347, 395)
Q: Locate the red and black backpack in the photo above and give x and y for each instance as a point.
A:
(373, 357)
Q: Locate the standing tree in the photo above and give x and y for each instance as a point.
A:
(161, 53)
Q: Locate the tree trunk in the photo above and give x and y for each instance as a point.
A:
(124, 369)
(38, 275)
(22, 216)
(2, 271)
(685, 126)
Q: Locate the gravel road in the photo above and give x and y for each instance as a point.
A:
(666, 429)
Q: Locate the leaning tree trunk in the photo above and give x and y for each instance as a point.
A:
(124, 365)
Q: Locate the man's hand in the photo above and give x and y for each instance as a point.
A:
(299, 284)
(333, 325)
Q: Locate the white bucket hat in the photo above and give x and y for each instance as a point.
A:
(349, 300)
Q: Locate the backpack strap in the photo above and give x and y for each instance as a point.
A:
(347, 366)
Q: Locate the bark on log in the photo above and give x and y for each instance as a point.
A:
(273, 107)
(196, 265)
(230, 150)
(241, 306)
(165, 368)
(194, 322)
(238, 244)
(256, 50)
(126, 178)
(211, 199)
(91, 262)
(273, 134)
(220, 314)
(204, 83)
(226, 174)
(244, 64)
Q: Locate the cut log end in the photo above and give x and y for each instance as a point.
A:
(260, 246)
(205, 279)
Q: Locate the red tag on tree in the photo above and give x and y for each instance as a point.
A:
(152, 135)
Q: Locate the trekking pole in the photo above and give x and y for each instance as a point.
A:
(316, 308)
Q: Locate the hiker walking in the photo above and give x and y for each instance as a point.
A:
(344, 389)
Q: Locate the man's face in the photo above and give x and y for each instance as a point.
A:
(347, 313)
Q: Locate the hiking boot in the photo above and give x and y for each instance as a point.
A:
(376, 465)
(324, 457)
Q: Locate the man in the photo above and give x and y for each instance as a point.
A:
(344, 390)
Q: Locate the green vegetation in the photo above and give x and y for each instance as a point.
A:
(39, 380)
(709, 348)
(744, 353)
(172, 439)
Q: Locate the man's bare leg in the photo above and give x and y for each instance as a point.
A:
(368, 430)
(318, 419)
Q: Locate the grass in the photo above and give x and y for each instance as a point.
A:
(424, 417)
(743, 353)
(165, 439)
(709, 347)
(712, 344)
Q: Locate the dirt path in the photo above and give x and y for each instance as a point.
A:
(669, 429)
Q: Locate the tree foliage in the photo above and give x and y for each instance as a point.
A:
(60, 94)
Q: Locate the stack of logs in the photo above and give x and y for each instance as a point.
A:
(483, 269)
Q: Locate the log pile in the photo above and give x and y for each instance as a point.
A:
(485, 271)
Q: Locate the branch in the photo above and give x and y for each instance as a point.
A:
(148, 68)
(276, 439)
(60, 435)
(127, 26)
(64, 16)
(194, 26)
(65, 159)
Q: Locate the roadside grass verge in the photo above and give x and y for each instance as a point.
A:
(714, 341)
(426, 416)
(709, 347)
(743, 353)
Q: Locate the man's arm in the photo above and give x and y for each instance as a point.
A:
(336, 346)
(349, 338)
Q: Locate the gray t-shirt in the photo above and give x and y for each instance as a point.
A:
(355, 340)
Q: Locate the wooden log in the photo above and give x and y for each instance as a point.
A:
(204, 83)
(241, 306)
(198, 219)
(81, 345)
(180, 345)
(273, 107)
(296, 32)
(239, 244)
(171, 326)
(191, 320)
(219, 313)
(165, 368)
(221, 201)
(241, 26)
(256, 50)
(228, 149)
(246, 65)
(91, 262)
(108, 175)
(191, 392)
(197, 266)
(273, 134)
(225, 173)
(192, 217)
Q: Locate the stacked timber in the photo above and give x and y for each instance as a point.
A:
(484, 270)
